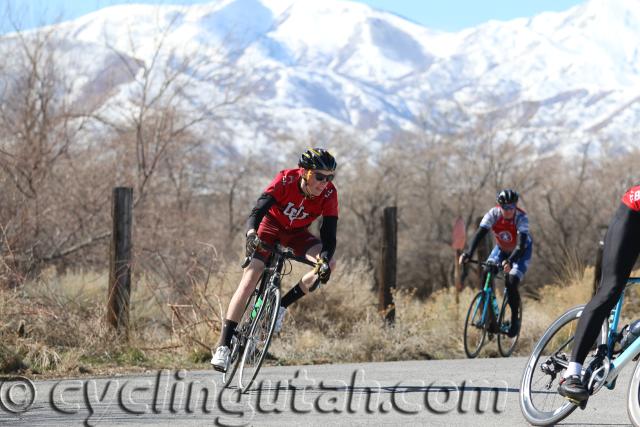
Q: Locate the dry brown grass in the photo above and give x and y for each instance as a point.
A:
(55, 325)
(341, 324)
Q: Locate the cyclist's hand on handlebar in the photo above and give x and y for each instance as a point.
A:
(252, 242)
(323, 269)
(506, 266)
(464, 258)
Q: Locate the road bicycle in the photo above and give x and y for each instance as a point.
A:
(485, 319)
(253, 334)
(539, 401)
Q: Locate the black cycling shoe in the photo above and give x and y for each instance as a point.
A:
(573, 389)
(514, 329)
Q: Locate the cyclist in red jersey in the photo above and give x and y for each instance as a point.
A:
(621, 250)
(289, 204)
(510, 226)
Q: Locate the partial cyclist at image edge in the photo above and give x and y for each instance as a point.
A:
(621, 250)
(510, 226)
(283, 213)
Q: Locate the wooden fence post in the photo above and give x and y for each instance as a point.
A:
(120, 260)
(458, 241)
(388, 264)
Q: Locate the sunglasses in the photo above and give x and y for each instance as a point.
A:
(322, 177)
(510, 207)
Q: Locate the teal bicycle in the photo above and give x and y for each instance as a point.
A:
(539, 401)
(484, 318)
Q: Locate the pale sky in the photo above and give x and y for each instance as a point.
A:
(447, 15)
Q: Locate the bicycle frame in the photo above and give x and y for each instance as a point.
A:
(275, 264)
(488, 296)
(630, 352)
(272, 275)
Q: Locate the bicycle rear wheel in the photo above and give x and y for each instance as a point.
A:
(259, 338)
(474, 328)
(507, 344)
(539, 400)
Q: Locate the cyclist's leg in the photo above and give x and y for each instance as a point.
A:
(250, 276)
(268, 232)
(621, 249)
(247, 284)
(513, 279)
(302, 242)
(496, 255)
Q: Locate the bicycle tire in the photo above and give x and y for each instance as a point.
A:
(507, 344)
(633, 397)
(261, 331)
(237, 342)
(561, 408)
(472, 324)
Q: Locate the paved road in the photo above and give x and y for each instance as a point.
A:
(434, 393)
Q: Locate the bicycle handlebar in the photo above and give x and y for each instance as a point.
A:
(483, 263)
(486, 264)
(280, 250)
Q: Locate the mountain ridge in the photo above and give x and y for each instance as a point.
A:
(378, 74)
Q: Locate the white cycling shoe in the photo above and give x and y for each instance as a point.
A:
(220, 359)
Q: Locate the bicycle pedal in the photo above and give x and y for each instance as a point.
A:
(575, 401)
(219, 369)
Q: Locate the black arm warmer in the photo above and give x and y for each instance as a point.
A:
(476, 239)
(328, 236)
(265, 201)
(522, 241)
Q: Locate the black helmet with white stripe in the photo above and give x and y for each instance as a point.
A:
(507, 197)
(317, 158)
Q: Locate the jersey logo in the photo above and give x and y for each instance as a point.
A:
(329, 193)
(294, 213)
(288, 179)
(635, 196)
(505, 236)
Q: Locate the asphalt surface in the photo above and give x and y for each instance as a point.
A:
(434, 393)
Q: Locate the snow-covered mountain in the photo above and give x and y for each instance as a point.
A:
(574, 75)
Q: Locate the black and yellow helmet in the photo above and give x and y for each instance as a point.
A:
(317, 158)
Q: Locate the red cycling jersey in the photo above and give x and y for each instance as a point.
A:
(292, 209)
(632, 198)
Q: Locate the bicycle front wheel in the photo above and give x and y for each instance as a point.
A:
(539, 400)
(474, 328)
(259, 338)
(506, 344)
(238, 341)
(633, 397)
